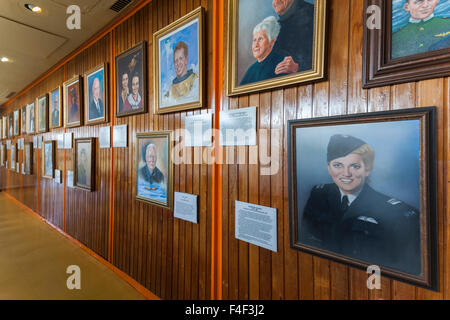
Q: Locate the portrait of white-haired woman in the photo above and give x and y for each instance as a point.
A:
(264, 37)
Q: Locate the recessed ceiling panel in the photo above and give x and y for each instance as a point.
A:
(27, 40)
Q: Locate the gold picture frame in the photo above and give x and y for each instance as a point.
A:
(318, 57)
(51, 117)
(89, 172)
(150, 187)
(76, 92)
(44, 128)
(184, 91)
(104, 84)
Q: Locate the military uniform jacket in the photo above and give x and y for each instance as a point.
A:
(375, 228)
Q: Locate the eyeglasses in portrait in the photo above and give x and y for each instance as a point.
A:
(178, 61)
(96, 95)
(274, 43)
(363, 191)
(48, 156)
(73, 102)
(410, 41)
(84, 169)
(131, 81)
(154, 168)
(55, 107)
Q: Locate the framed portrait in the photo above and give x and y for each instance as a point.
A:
(363, 191)
(131, 81)
(2, 154)
(411, 42)
(16, 122)
(31, 118)
(73, 102)
(11, 125)
(84, 169)
(4, 127)
(23, 120)
(96, 95)
(48, 156)
(56, 112)
(178, 64)
(42, 113)
(154, 183)
(28, 158)
(13, 156)
(280, 43)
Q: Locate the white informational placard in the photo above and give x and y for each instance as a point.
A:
(120, 136)
(185, 207)
(68, 139)
(105, 137)
(39, 140)
(8, 144)
(58, 176)
(60, 141)
(23, 168)
(35, 142)
(238, 127)
(256, 224)
(70, 179)
(17, 167)
(198, 130)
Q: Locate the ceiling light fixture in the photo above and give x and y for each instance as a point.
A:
(4, 59)
(33, 8)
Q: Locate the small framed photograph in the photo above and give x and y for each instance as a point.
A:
(48, 156)
(73, 102)
(273, 44)
(28, 158)
(131, 81)
(363, 191)
(23, 120)
(13, 156)
(4, 127)
(16, 122)
(178, 64)
(410, 43)
(120, 136)
(84, 168)
(154, 183)
(31, 118)
(56, 112)
(11, 125)
(42, 114)
(96, 95)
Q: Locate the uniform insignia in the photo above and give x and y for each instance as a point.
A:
(367, 219)
(320, 186)
(393, 201)
(410, 213)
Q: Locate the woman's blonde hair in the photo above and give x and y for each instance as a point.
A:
(367, 155)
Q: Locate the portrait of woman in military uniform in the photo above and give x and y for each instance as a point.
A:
(357, 194)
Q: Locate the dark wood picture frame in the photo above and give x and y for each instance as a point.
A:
(139, 49)
(16, 130)
(13, 151)
(379, 69)
(427, 212)
(38, 111)
(52, 157)
(30, 160)
(92, 159)
(66, 96)
(87, 94)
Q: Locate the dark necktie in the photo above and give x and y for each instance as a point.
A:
(344, 204)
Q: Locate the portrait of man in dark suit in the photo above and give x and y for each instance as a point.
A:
(96, 105)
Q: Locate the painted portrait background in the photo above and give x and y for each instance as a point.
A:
(396, 170)
(156, 192)
(259, 10)
(100, 75)
(73, 113)
(188, 34)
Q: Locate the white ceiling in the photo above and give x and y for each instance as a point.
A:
(36, 42)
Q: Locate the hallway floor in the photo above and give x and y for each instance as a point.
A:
(34, 258)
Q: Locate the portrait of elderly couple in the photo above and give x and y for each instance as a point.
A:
(359, 192)
(154, 168)
(280, 42)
